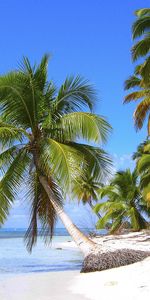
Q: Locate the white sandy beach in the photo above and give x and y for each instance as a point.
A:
(127, 283)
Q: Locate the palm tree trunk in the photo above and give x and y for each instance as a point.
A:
(83, 242)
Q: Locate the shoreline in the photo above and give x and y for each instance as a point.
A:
(129, 282)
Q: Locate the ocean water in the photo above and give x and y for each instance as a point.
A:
(14, 258)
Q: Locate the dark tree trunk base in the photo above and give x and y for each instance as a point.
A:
(112, 259)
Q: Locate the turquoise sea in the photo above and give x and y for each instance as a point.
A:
(14, 258)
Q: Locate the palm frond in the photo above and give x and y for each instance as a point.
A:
(40, 75)
(145, 70)
(97, 161)
(142, 12)
(116, 224)
(42, 212)
(10, 182)
(140, 26)
(144, 163)
(15, 103)
(141, 48)
(145, 180)
(131, 82)
(10, 134)
(63, 161)
(134, 96)
(74, 95)
(101, 224)
(7, 157)
(87, 126)
(141, 112)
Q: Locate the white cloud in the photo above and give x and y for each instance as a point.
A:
(123, 161)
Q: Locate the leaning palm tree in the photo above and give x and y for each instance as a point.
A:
(141, 92)
(40, 130)
(124, 204)
(141, 48)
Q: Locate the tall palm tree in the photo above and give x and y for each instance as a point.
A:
(142, 157)
(141, 48)
(124, 203)
(40, 130)
(141, 92)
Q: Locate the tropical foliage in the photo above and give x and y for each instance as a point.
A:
(40, 130)
(140, 80)
(124, 203)
(141, 48)
(87, 190)
(141, 91)
(142, 157)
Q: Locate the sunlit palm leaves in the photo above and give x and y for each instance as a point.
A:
(141, 29)
(41, 129)
(124, 203)
(142, 157)
(141, 93)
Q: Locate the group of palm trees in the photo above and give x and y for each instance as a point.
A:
(140, 83)
(128, 193)
(42, 130)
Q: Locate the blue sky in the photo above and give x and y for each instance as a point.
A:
(90, 38)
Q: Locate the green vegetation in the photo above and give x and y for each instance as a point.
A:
(124, 203)
(140, 79)
(143, 166)
(42, 130)
(142, 93)
(141, 48)
(128, 194)
(39, 130)
(87, 190)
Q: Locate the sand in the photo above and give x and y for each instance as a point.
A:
(40, 286)
(126, 283)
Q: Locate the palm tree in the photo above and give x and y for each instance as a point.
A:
(141, 92)
(40, 130)
(125, 203)
(142, 157)
(87, 190)
(141, 30)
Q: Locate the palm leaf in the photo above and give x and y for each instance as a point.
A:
(74, 95)
(141, 112)
(7, 157)
(141, 25)
(141, 48)
(63, 161)
(42, 211)
(104, 220)
(87, 126)
(132, 82)
(14, 88)
(142, 12)
(97, 161)
(10, 182)
(10, 134)
(136, 96)
(145, 71)
(144, 163)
